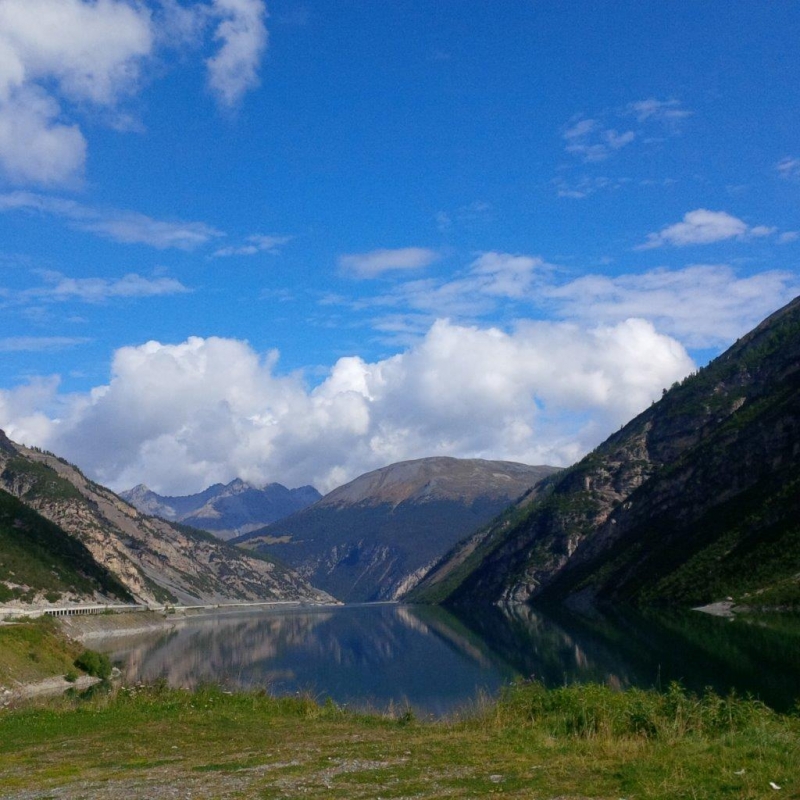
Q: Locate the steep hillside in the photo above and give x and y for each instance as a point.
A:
(372, 538)
(697, 498)
(226, 510)
(153, 560)
(40, 562)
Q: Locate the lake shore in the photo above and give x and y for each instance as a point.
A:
(574, 742)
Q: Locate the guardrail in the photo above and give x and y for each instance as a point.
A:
(118, 608)
(69, 611)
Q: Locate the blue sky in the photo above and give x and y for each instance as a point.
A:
(357, 232)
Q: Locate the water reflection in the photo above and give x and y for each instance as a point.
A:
(361, 655)
(437, 662)
(750, 655)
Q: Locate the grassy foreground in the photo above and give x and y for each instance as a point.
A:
(574, 742)
(35, 650)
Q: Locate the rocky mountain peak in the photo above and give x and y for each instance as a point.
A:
(372, 538)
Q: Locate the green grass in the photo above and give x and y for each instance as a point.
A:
(573, 742)
(35, 650)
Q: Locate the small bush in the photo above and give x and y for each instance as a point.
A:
(71, 676)
(594, 710)
(93, 663)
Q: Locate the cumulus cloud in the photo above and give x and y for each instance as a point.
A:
(84, 53)
(254, 244)
(58, 56)
(704, 227)
(702, 305)
(129, 227)
(93, 50)
(34, 145)
(243, 35)
(376, 262)
(180, 417)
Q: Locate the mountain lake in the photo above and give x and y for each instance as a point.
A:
(436, 663)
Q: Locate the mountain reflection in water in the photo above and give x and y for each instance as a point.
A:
(436, 662)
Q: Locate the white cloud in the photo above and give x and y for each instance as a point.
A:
(97, 290)
(703, 227)
(59, 56)
(255, 244)
(27, 411)
(590, 141)
(84, 53)
(580, 128)
(34, 145)
(92, 50)
(180, 417)
(506, 275)
(376, 262)
(467, 216)
(662, 110)
(587, 185)
(702, 305)
(234, 69)
(128, 227)
(789, 167)
(33, 344)
(598, 138)
(490, 280)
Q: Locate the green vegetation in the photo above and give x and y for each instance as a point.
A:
(43, 482)
(694, 500)
(35, 553)
(573, 742)
(94, 663)
(35, 650)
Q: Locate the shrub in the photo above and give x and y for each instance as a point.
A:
(93, 663)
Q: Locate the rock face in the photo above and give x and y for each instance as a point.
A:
(153, 560)
(373, 538)
(39, 562)
(226, 510)
(697, 498)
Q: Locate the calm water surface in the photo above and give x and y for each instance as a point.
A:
(438, 663)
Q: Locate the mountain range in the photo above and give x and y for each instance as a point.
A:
(226, 510)
(64, 537)
(374, 538)
(695, 500)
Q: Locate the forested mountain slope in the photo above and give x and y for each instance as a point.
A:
(695, 499)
